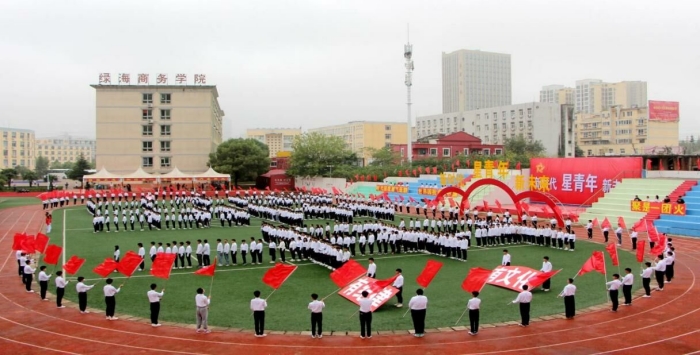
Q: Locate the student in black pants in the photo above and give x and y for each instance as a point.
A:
(524, 298)
(154, 299)
(473, 306)
(258, 305)
(365, 316)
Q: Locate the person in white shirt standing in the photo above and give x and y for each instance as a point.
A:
(627, 283)
(473, 305)
(28, 274)
(202, 302)
(646, 279)
(660, 271)
(618, 233)
(316, 308)
(154, 300)
(613, 287)
(524, 298)
(569, 302)
(43, 282)
(110, 299)
(372, 268)
(60, 288)
(258, 305)
(365, 316)
(546, 267)
(505, 261)
(418, 305)
(398, 283)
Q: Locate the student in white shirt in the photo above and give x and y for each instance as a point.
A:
(568, 293)
(371, 268)
(646, 279)
(365, 316)
(618, 233)
(627, 283)
(524, 298)
(316, 308)
(154, 300)
(398, 283)
(505, 261)
(258, 305)
(110, 300)
(660, 271)
(613, 287)
(28, 274)
(202, 302)
(82, 289)
(60, 288)
(546, 267)
(473, 305)
(418, 305)
(43, 282)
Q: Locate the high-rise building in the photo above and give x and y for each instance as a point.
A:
(363, 136)
(156, 127)
(17, 148)
(596, 96)
(624, 131)
(551, 124)
(278, 140)
(472, 79)
(65, 148)
(557, 94)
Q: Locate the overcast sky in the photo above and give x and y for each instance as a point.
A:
(312, 63)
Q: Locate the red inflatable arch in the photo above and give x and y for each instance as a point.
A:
(530, 194)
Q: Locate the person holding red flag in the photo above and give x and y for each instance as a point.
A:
(524, 298)
(60, 288)
(154, 300)
(202, 302)
(258, 305)
(473, 305)
(418, 305)
(646, 279)
(82, 290)
(43, 282)
(660, 271)
(627, 283)
(613, 287)
(398, 283)
(110, 299)
(568, 293)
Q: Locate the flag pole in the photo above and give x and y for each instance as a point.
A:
(332, 293)
(463, 313)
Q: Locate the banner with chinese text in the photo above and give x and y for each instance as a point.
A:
(378, 295)
(666, 111)
(393, 188)
(428, 191)
(663, 208)
(577, 180)
(514, 277)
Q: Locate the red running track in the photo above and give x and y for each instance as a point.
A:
(667, 323)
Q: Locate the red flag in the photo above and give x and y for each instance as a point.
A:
(475, 280)
(411, 199)
(386, 282)
(435, 170)
(595, 263)
(640, 250)
(163, 264)
(347, 273)
(486, 205)
(28, 245)
(465, 202)
(278, 274)
(517, 166)
(606, 223)
(659, 247)
(414, 172)
(621, 222)
(595, 222)
(128, 264)
(17, 242)
(40, 242)
(52, 253)
(540, 278)
(73, 265)
(107, 267)
(468, 163)
(375, 177)
(429, 271)
(401, 198)
(452, 202)
(408, 173)
(400, 173)
(207, 270)
(368, 178)
(612, 250)
(427, 170)
(498, 204)
(525, 207)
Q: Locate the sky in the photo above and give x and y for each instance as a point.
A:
(312, 63)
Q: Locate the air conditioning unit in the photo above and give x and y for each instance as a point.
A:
(150, 121)
(150, 105)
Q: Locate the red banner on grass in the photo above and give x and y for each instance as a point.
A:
(475, 280)
(347, 273)
(128, 263)
(595, 263)
(163, 264)
(612, 250)
(107, 267)
(378, 294)
(540, 278)
(514, 277)
(53, 252)
(426, 276)
(73, 265)
(278, 274)
(386, 282)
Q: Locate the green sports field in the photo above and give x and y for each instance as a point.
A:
(233, 286)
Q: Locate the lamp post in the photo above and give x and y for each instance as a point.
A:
(330, 168)
(408, 55)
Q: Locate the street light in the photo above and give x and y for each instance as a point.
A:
(330, 167)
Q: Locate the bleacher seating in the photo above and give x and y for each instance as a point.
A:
(616, 203)
(689, 224)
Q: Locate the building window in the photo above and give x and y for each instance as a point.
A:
(466, 151)
(486, 152)
(164, 98)
(498, 152)
(147, 114)
(422, 151)
(147, 130)
(445, 152)
(433, 151)
(387, 136)
(164, 114)
(147, 162)
(165, 130)
(147, 98)
(622, 150)
(165, 162)
(164, 146)
(146, 146)
(387, 128)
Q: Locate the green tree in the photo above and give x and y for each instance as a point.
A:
(65, 165)
(520, 146)
(8, 174)
(41, 166)
(30, 177)
(578, 152)
(384, 156)
(315, 154)
(243, 159)
(79, 170)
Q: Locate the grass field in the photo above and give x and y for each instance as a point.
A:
(233, 286)
(7, 202)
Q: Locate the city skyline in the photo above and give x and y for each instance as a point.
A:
(342, 63)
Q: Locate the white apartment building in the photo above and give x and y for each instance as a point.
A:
(596, 96)
(472, 79)
(551, 124)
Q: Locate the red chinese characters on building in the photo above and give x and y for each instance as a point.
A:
(200, 79)
(124, 78)
(143, 79)
(105, 78)
(181, 78)
(162, 79)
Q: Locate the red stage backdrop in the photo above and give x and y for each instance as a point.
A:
(663, 111)
(576, 180)
(379, 296)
